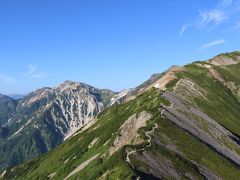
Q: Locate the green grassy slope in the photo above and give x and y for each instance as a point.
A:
(76, 149)
(222, 104)
(173, 152)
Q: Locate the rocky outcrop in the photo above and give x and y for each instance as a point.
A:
(180, 124)
(49, 116)
(187, 116)
(158, 80)
(223, 60)
(128, 131)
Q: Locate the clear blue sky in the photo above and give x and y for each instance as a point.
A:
(113, 44)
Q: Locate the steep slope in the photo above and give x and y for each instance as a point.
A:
(48, 116)
(7, 108)
(188, 128)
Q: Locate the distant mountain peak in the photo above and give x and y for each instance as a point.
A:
(71, 85)
(16, 96)
(50, 115)
(183, 123)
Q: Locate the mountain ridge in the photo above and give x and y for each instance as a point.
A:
(49, 116)
(180, 132)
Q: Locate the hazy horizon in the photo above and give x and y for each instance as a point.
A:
(108, 44)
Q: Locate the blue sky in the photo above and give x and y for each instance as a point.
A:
(115, 44)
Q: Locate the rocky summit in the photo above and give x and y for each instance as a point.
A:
(45, 118)
(180, 124)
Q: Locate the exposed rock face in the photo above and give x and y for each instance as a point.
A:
(223, 60)
(202, 126)
(188, 116)
(162, 81)
(159, 81)
(159, 167)
(188, 119)
(69, 106)
(129, 130)
(213, 73)
(51, 115)
(77, 104)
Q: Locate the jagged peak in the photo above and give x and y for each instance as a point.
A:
(69, 85)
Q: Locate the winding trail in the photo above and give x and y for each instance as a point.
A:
(162, 113)
(128, 159)
(148, 134)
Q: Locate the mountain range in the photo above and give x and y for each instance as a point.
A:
(180, 124)
(16, 96)
(46, 117)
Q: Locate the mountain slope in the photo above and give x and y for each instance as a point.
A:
(7, 108)
(46, 117)
(187, 128)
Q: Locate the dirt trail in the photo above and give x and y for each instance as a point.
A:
(128, 159)
(148, 134)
